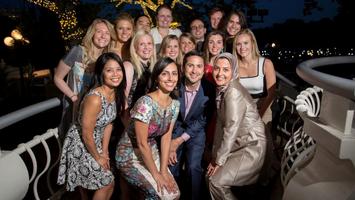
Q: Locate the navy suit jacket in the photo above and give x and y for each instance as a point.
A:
(199, 114)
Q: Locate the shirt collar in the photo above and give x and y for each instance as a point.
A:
(197, 88)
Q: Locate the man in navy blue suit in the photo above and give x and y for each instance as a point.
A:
(197, 97)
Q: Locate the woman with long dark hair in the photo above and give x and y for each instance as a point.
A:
(85, 157)
(153, 116)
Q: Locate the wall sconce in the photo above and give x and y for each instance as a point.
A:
(9, 41)
(15, 35)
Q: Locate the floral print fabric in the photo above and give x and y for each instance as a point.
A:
(129, 160)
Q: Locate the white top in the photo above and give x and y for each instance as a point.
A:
(255, 84)
(157, 37)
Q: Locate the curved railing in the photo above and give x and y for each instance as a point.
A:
(29, 111)
(14, 172)
(300, 149)
(318, 163)
(337, 85)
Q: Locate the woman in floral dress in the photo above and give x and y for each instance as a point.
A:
(84, 161)
(153, 116)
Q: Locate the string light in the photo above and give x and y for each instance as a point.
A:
(152, 6)
(295, 55)
(67, 18)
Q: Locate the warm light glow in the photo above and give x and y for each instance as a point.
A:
(151, 5)
(16, 34)
(67, 18)
(273, 45)
(293, 56)
(174, 25)
(9, 41)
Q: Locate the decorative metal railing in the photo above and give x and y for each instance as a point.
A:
(300, 148)
(14, 172)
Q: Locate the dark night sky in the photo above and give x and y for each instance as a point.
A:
(279, 10)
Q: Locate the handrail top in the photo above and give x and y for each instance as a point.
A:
(337, 85)
(18, 115)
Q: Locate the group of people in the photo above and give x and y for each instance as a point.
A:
(192, 107)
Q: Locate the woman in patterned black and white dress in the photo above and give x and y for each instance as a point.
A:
(84, 160)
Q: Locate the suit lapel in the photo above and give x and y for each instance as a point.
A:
(182, 100)
(199, 100)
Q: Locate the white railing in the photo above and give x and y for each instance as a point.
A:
(309, 101)
(300, 148)
(327, 110)
(14, 173)
(337, 85)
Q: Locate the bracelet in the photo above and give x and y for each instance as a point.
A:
(73, 96)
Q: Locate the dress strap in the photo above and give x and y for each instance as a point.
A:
(95, 92)
(261, 66)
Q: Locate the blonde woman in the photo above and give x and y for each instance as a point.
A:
(78, 67)
(170, 47)
(124, 25)
(187, 43)
(257, 74)
(143, 58)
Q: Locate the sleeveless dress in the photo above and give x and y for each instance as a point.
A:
(129, 159)
(77, 167)
(256, 86)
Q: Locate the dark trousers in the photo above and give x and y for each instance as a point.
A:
(189, 155)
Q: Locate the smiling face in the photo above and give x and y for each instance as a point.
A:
(144, 47)
(215, 44)
(102, 36)
(194, 69)
(164, 18)
(198, 29)
(172, 49)
(233, 25)
(124, 30)
(143, 23)
(215, 19)
(168, 78)
(186, 45)
(112, 74)
(222, 72)
(244, 45)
